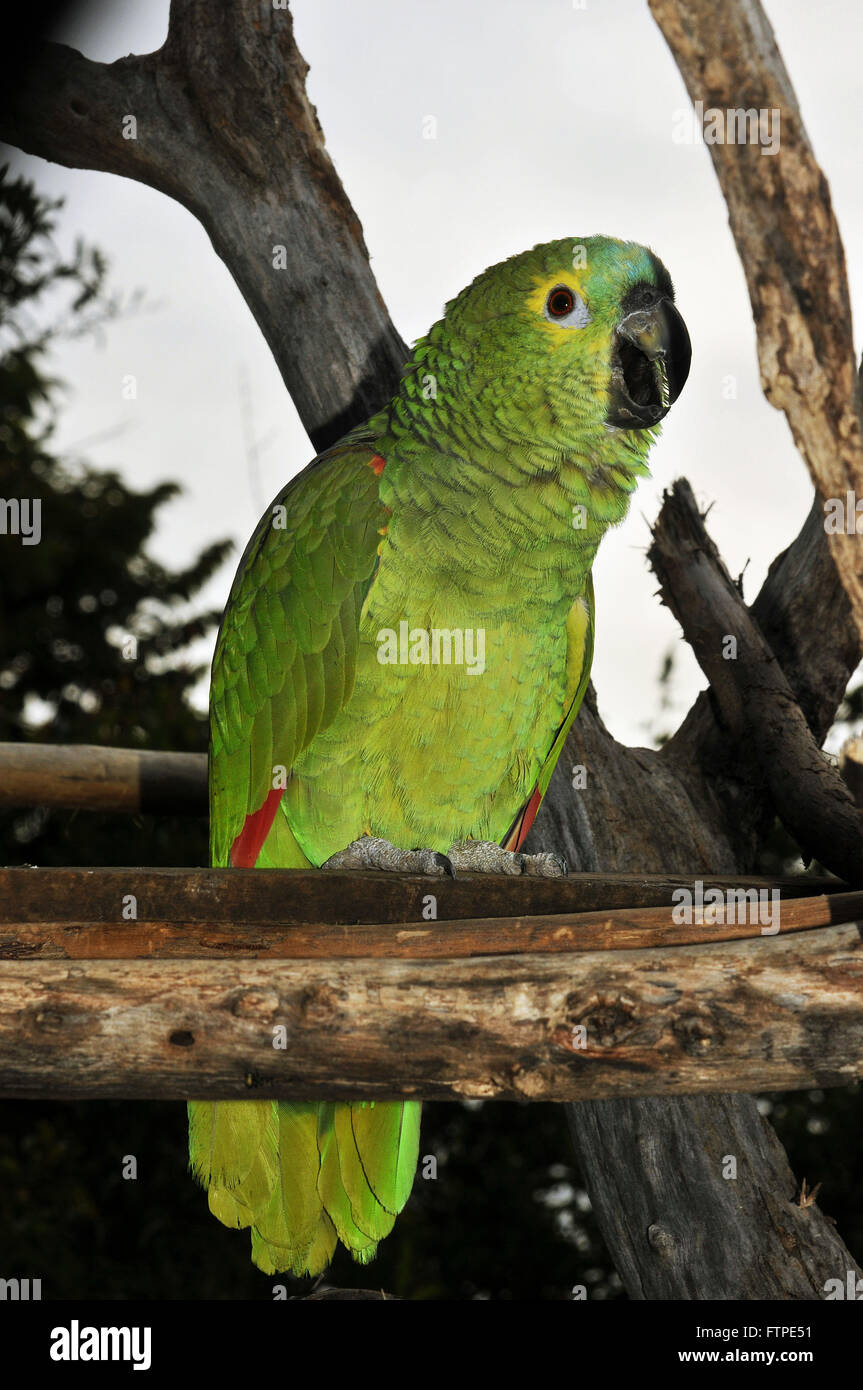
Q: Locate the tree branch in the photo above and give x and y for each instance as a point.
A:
(786, 233)
(247, 157)
(755, 700)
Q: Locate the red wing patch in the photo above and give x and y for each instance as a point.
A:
(377, 464)
(517, 836)
(256, 828)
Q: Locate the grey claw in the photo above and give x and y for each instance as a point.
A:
(545, 865)
(432, 862)
(446, 864)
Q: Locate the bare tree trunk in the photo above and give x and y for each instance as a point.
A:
(717, 1219)
(224, 126)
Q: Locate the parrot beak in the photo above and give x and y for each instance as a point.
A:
(649, 363)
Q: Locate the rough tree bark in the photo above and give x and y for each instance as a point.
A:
(225, 127)
(753, 698)
(247, 157)
(789, 244)
(548, 1025)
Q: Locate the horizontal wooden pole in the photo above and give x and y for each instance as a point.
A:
(769, 1014)
(377, 1001)
(233, 898)
(615, 929)
(90, 778)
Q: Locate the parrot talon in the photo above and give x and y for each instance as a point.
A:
(371, 852)
(486, 857)
(444, 863)
(545, 865)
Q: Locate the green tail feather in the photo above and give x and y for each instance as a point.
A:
(362, 1242)
(304, 1175)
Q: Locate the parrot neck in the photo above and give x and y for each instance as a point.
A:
(544, 499)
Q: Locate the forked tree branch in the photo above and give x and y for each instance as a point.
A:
(247, 157)
(756, 704)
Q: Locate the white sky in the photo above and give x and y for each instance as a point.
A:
(552, 121)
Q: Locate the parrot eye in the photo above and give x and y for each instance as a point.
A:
(560, 302)
(566, 308)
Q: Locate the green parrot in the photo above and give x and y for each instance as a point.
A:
(405, 647)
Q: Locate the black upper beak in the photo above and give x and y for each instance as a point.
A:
(649, 364)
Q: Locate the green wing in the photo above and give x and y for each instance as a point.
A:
(300, 1175)
(579, 659)
(286, 654)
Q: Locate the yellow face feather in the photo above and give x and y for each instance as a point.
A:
(536, 301)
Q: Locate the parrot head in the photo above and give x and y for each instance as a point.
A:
(569, 337)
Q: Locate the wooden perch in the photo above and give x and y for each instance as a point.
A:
(786, 233)
(79, 914)
(768, 1014)
(555, 1006)
(273, 897)
(87, 778)
(751, 691)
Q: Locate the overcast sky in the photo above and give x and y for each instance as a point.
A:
(552, 120)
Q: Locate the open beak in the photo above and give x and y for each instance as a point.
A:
(649, 365)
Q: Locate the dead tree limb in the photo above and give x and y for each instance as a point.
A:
(755, 701)
(783, 223)
(247, 157)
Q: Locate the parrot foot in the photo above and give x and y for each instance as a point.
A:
(369, 852)
(485, 857)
